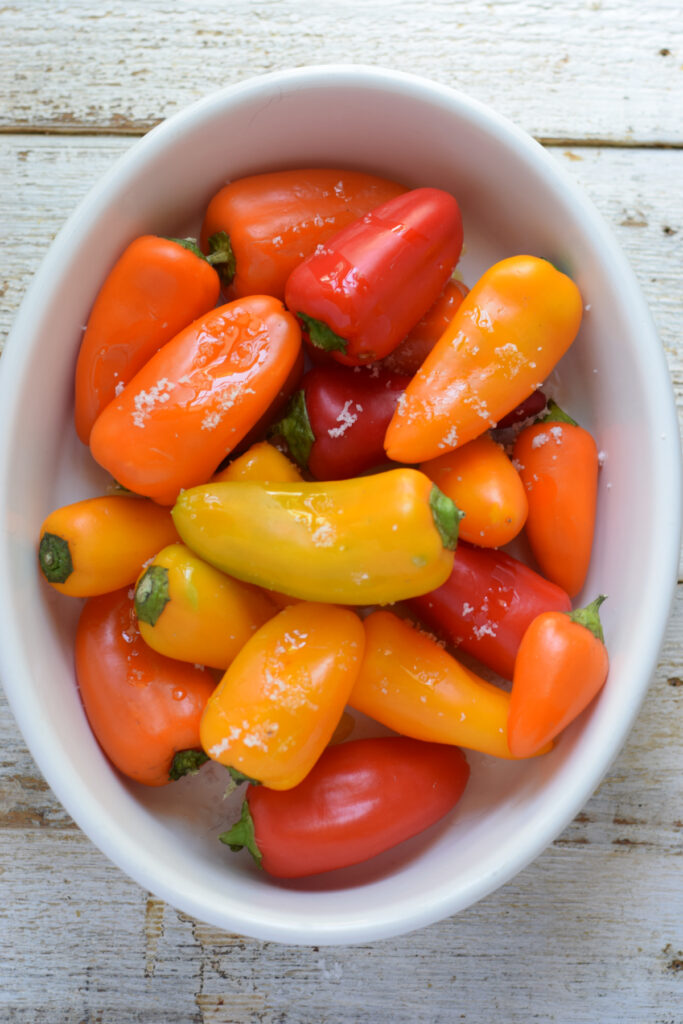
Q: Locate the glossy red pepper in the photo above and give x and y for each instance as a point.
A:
(360, 798)
(360, 294)
(335, 424)
(486, 605)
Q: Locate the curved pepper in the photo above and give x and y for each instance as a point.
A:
(409, 683)
(188, 407)
(512, 328)
(99, 544)
(142, 707)
(281, 699)
(558, 463)
(486, 605)
(484, 484)
(156, 288)
(263, 461)
(369, 540)
(335, 424)
(268, 223)
(358, 295)
(188, 610)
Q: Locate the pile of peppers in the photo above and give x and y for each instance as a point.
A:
(324, 448)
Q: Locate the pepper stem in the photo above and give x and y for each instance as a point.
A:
(222, 256)
(556, 415)
(590, 617)
(242, 835)
(186, 762)
(190, 244)
(295, 428)
(446, 515)
(54, 557)
(152, 594)
(321, 335)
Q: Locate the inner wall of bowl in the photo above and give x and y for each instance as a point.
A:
(512, 202)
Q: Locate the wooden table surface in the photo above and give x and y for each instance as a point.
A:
(593, 930)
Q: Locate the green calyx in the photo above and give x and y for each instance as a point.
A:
(242, 835)
(590, 617)
(555, 414)
(222, 257)
(321, 335)
(446, 515)
(152, 594)
(239, 777)
(295, 428)
(187, 762)
(54, 558)
(190, 244)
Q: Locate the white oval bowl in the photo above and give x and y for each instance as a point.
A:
(514, 199)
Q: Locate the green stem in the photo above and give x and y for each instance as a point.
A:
(446, 515)
(54, 557)
(321, 335)
(590, 617)
(222, 256)
(152, 594)
(295, 428)
(242, 835)
(188, 243)
(239, 777)
(186, 762)
(556, 415)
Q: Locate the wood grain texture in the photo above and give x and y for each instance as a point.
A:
(581, 70)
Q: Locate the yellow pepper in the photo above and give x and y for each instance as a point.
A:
(410, 684)
(369, 540)
(188, 610)
(281, 699)
(98, 545)
(263, 461)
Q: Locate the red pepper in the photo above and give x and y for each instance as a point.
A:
(360, 294)
(486, 605)
(335, 424)
(411, 353)
(360, 798)
(156, 288)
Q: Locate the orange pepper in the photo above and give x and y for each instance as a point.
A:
(411, 353)
(142, 707)
(99, 544)
(271, 222)
(197, 397)
(281, 699)
(156, 288)
(512, 328)
(188, 610)
(409, 683)
(558, 464)
(484, 484)
(263, 461)
(561, 664)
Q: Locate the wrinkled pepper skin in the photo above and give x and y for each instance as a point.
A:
(512, 328)
(188, 610)
(358, 295)
(156, 288)
(188, 407)
(142, 707)
(482, 481)
(558, 464)
(99, 544)
(281, 699)
(335, 424)
(275, 220)
(360, 799)
(369, 540)
(409, 683)
(486, 605)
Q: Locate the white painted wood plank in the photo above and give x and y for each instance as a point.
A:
(581, 69)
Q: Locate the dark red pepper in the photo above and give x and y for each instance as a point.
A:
(335, 424)
(360, 293)
(359, 799)
(486, 605)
